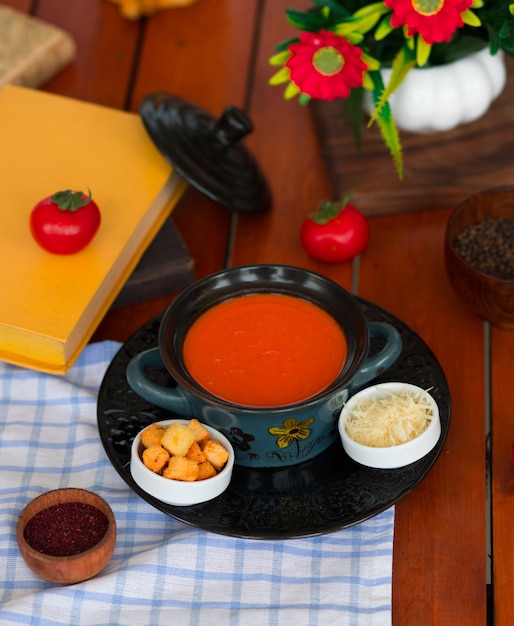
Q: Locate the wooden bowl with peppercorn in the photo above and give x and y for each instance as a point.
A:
(479, 254)
(66, 535)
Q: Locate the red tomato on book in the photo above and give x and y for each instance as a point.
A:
(65, 222)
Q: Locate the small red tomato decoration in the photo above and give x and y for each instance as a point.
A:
(336, 232)
(65, 222)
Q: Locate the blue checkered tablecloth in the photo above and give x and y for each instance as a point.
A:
(164, 571)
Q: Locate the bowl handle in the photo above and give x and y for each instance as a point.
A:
(378, 363)
(174, 399)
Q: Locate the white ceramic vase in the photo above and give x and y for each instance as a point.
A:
(440, 98)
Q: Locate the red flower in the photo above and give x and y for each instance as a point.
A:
(325, 66)
(434, 20)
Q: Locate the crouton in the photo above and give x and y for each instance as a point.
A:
(215, 453)
(151, 436)
(195, 453)
(201, 433)
(205, 470)
(177, 439)
(155, 458)
(180, 468)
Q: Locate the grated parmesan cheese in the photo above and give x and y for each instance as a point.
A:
(389, 420)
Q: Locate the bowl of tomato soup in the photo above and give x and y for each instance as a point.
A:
(267, 354)
(265, 350)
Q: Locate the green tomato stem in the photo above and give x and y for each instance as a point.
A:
(69, 200)
(327, 210)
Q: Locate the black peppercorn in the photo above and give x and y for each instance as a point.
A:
(488, 246)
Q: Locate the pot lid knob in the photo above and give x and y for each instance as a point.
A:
(207, 152)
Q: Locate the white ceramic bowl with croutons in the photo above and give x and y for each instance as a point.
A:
(389, 425)
(187, 490)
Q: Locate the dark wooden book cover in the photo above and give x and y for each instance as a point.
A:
(165, 268)
(31, 50)
(441, 169)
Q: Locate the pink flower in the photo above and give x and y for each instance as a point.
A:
(434, 20)
(325, 66)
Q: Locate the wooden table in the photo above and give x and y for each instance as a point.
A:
(215, 53)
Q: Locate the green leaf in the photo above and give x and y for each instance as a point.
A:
(367, 82)
(471, 19)
(347, 28)
(279, 58)
(391, 138)
(377, 8)
(280, 77)
(310, 21)
(408, 40)
(372, 63)
(366, 23)
(284, 45)
(362, 21)
(353, 113)
(291, 91)
(383, 29)
(423, 50)
(335, 7)
(354, 37)
(387, 126)
(402, 64)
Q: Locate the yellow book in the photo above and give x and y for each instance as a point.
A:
(51, 304)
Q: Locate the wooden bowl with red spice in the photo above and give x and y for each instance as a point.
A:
(66, 535)
(479, 254)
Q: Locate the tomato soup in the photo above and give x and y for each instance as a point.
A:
(265, 350)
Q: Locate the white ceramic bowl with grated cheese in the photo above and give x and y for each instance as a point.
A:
(389, 425)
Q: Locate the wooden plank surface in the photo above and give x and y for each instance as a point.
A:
(502, 345)
(107, 45)
(19, 5)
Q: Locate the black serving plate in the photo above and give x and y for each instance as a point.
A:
(319, 496)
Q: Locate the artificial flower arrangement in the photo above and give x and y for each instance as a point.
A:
(343, 44)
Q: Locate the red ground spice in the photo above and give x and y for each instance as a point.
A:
(66, 529)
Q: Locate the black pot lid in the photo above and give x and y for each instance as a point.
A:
(208, 152)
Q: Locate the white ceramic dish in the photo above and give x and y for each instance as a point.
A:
(177, 492)
(393, 456)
